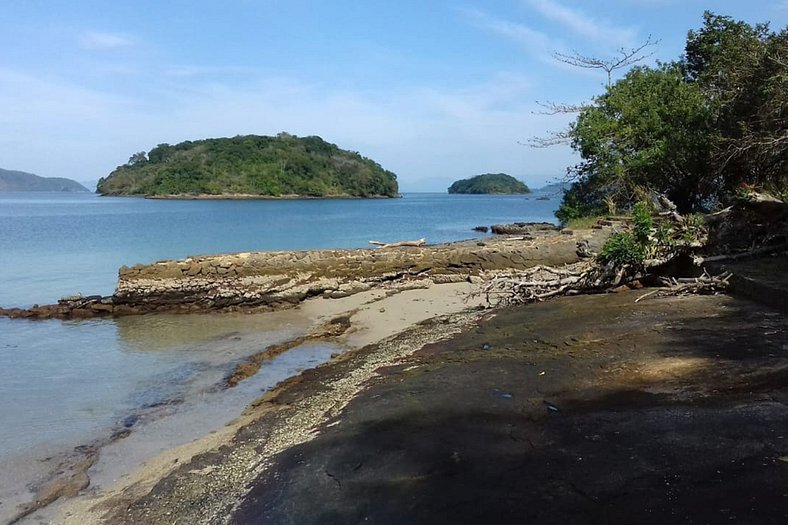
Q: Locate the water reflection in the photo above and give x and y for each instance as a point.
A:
(173, 332)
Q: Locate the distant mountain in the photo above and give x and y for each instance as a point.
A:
(21, 181)
(496, 183)
(556, 187)
(250, 165)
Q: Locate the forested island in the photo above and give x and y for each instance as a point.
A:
(11, 180)
(250, 166)
(489, 183)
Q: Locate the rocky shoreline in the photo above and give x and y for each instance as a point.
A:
(584, 409)
(284, 279)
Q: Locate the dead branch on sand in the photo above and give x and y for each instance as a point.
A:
(417, 243)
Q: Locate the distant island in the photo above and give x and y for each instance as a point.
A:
(250, 166)
(21, 181)
(495, 183)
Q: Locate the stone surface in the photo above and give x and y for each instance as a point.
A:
(279, 279)
(589, 409)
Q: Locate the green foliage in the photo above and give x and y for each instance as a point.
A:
(695, 130)
(489, 183)
(254, 165)
(623, 248)
(642, 222)
(632, 247)
(743, 72)
(579, 201)
(649, 131)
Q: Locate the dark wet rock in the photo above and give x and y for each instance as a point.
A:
(482, 229)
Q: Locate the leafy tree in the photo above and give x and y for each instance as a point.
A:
(695, 130)
(649, 131)
(743, 71)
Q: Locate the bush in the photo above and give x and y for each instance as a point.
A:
(623, 248)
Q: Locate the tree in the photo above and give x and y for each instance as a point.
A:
(137, 158)
(648, 132)
(695, 130)
(743, 71)
(622, 59)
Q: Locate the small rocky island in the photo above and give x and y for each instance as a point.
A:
(250, 166)
(11, 180)
(490, 183)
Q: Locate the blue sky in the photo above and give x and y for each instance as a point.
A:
(434, 90)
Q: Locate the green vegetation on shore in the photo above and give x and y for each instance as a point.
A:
(284, 165)
(698, 130)
(489, 183)
(21, 181)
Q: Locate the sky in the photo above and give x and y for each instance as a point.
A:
(433, 90)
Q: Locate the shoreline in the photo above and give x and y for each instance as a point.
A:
(250, 196)
(610, 362)
(373, 316)
(276, 280)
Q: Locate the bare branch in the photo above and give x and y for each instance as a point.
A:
(553, 138)
(624, 58)
(559, 108)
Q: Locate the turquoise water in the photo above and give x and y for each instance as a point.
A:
(68, 383)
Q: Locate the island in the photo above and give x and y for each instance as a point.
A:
(11, 180)
(250, 166)
(490, 183)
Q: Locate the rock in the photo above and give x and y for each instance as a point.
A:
(520, 228)
(483, 229)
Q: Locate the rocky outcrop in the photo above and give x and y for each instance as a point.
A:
(282, 279)
(524, 228)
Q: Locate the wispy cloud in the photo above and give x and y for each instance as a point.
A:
(535, 42)
(98, 41)
(583, 24)
(65, 129)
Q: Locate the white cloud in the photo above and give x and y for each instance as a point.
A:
(97, 41)
(535, 42)
(582, 24)
(428, 136)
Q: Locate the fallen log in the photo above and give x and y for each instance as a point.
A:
(741, 255)
(416, 243)
(698, 285)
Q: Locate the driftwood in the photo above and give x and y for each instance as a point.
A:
(741, 255)
(419, 242)
(671, 240)
(698, 285)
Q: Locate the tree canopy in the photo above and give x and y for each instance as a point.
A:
(695, 129)
(250, 165)
(489, 183)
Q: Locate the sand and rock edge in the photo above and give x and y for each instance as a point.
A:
(284, 279)
(584, 408)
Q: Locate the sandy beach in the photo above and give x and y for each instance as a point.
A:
(588, 409)
(375, 315)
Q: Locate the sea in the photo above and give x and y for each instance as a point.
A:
(67, 385)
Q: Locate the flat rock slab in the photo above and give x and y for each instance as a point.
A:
(588, 409)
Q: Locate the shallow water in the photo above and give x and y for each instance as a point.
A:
(53, 245)
(68, 383)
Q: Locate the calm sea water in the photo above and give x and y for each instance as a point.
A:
(59, 244)
(63, 384)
